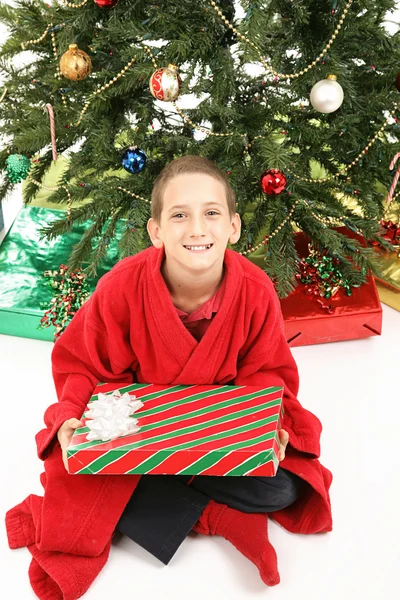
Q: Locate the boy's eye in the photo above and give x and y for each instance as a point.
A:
(210, 211)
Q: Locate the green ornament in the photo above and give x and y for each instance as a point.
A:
(18, 167)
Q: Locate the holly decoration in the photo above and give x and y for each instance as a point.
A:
(17, 167)
(391, 232)
(272, 182)
(71, 291)
(322, 276)
(165, 83)
(75, 64)
(134, 160)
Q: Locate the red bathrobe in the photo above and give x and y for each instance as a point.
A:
(129, 331)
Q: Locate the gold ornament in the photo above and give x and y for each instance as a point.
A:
(75, 64)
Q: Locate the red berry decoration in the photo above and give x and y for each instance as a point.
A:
(272, 182)
(106, 3)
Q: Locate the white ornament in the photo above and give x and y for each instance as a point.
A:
(110, 416)
(327, 95)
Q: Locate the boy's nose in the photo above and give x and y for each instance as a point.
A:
(198, 227)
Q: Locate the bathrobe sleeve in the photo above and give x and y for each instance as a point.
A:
(266, 360)
(93, 348)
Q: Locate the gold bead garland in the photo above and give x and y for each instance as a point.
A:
(152, 57)
(58, 70)
(38, 40)
(41, 38)
(271, 235)
(53, 43)
(393, 200)
(327, 221)
(54, 189)
(203, 129)
(266, 65)
(102, 88)
(249, 145)
(49, 27)
(356, 160)
(133, 194)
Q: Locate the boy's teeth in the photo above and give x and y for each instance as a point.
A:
(198, 247)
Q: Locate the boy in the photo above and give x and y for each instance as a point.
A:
(185, 311)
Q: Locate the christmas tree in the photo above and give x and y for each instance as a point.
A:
(295, 101)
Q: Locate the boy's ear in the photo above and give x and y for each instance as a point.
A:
(236, 229)
(154, 233)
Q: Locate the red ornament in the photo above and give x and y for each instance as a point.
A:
(272, 182)
(106, 3)
(397, 83)
(165, 83)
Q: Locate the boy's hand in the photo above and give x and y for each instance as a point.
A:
(283, 442)
(64, 435)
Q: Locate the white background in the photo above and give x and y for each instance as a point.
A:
(352, 386)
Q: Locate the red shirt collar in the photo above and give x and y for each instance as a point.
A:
(206, 310)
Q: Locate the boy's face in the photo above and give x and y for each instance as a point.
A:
(195, 214)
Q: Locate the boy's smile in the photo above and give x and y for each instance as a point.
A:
(199, 248)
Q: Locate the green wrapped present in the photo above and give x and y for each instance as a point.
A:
(24, 257)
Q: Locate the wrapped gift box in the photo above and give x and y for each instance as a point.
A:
(23, 259)
(388, 263)
(188, 430)
(389, 295)
(389, 266)
(356, 316)
(388, 284)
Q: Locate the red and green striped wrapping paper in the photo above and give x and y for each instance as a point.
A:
(188, 430)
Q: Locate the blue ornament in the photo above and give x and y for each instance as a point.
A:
(134, 160)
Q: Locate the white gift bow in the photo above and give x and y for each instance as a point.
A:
(110, 416)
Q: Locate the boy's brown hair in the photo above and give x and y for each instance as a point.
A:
(182, 166)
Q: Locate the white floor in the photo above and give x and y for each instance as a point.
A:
(352, 386)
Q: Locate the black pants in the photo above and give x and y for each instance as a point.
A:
(163, 509)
